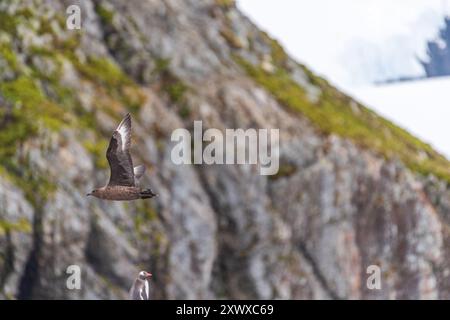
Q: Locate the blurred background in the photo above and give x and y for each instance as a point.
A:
(356, 88)
(381, 52)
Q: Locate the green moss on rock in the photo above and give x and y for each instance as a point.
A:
(98, 150)
(279, 56)
(105, 14)
(7, 54)
(285, 170)
(226, 4)
(22, 225)
(173, 86)
(145, 215)
(176, 91)
(102, 71)
(30, 105)
(8, 23)
(231, 38)
(333, 113)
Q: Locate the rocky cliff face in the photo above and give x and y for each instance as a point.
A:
(353, 190)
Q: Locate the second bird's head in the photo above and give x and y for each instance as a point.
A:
(144, 275)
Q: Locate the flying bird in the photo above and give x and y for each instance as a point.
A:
(122, 183)
(139, 290)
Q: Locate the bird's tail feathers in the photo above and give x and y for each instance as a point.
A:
(147, 193)
(138, 172)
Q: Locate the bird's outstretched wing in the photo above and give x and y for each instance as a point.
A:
(119, 157)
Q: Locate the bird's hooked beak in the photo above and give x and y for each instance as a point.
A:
(148, 275)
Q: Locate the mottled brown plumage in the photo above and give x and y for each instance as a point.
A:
(122, 183)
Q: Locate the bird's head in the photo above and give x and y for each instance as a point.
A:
(144, 275)
(93, 193)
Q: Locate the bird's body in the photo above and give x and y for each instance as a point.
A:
(123, 193)
(124, 177)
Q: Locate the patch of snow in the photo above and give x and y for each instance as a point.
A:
(422, 107)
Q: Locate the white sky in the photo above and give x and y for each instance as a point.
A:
(422, 107)
(346, 40)
(355, 42)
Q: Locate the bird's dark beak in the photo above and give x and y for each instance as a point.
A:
(148, 275)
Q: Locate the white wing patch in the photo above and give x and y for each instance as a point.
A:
(124, 131)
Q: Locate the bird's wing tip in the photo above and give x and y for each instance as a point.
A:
(127, 118)
(126, 121)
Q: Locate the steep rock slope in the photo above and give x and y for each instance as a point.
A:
(353, 190)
